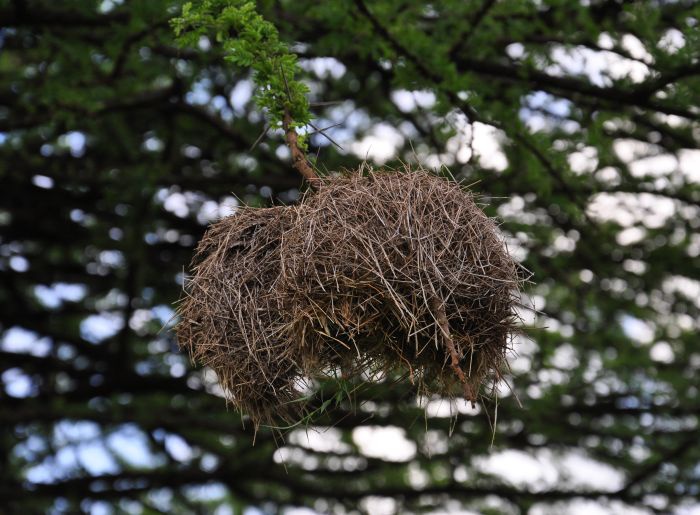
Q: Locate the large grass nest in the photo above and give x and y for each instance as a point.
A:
(377, 272)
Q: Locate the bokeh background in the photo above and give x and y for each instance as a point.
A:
(577, 123)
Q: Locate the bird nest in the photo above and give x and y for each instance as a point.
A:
(389, 272)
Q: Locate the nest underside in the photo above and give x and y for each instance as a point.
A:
(375, 274)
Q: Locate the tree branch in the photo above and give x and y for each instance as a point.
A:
(298, 158)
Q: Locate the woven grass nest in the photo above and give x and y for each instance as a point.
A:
(397, 272)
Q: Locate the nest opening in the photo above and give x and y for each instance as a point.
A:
(377, 271)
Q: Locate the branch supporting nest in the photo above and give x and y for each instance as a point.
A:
(299, 160)
(441, 318)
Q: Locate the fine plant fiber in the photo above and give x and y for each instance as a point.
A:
(377, 273)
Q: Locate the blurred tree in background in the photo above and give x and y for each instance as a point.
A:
(577, 123)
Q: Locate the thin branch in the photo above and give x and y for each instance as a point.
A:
(257, 141)
(654, 465)
(473, 26)
(444, 325)
(401, 50)
(299, 160)
(322, 132)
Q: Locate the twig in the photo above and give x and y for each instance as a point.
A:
(322, 132)
(327, 103)
(299, 160)
(257, 141)
(443, 324)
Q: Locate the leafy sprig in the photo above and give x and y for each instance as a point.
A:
(250, 41)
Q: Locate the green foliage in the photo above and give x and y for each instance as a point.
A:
(249, 41)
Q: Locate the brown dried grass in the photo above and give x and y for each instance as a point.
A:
(391, 271)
